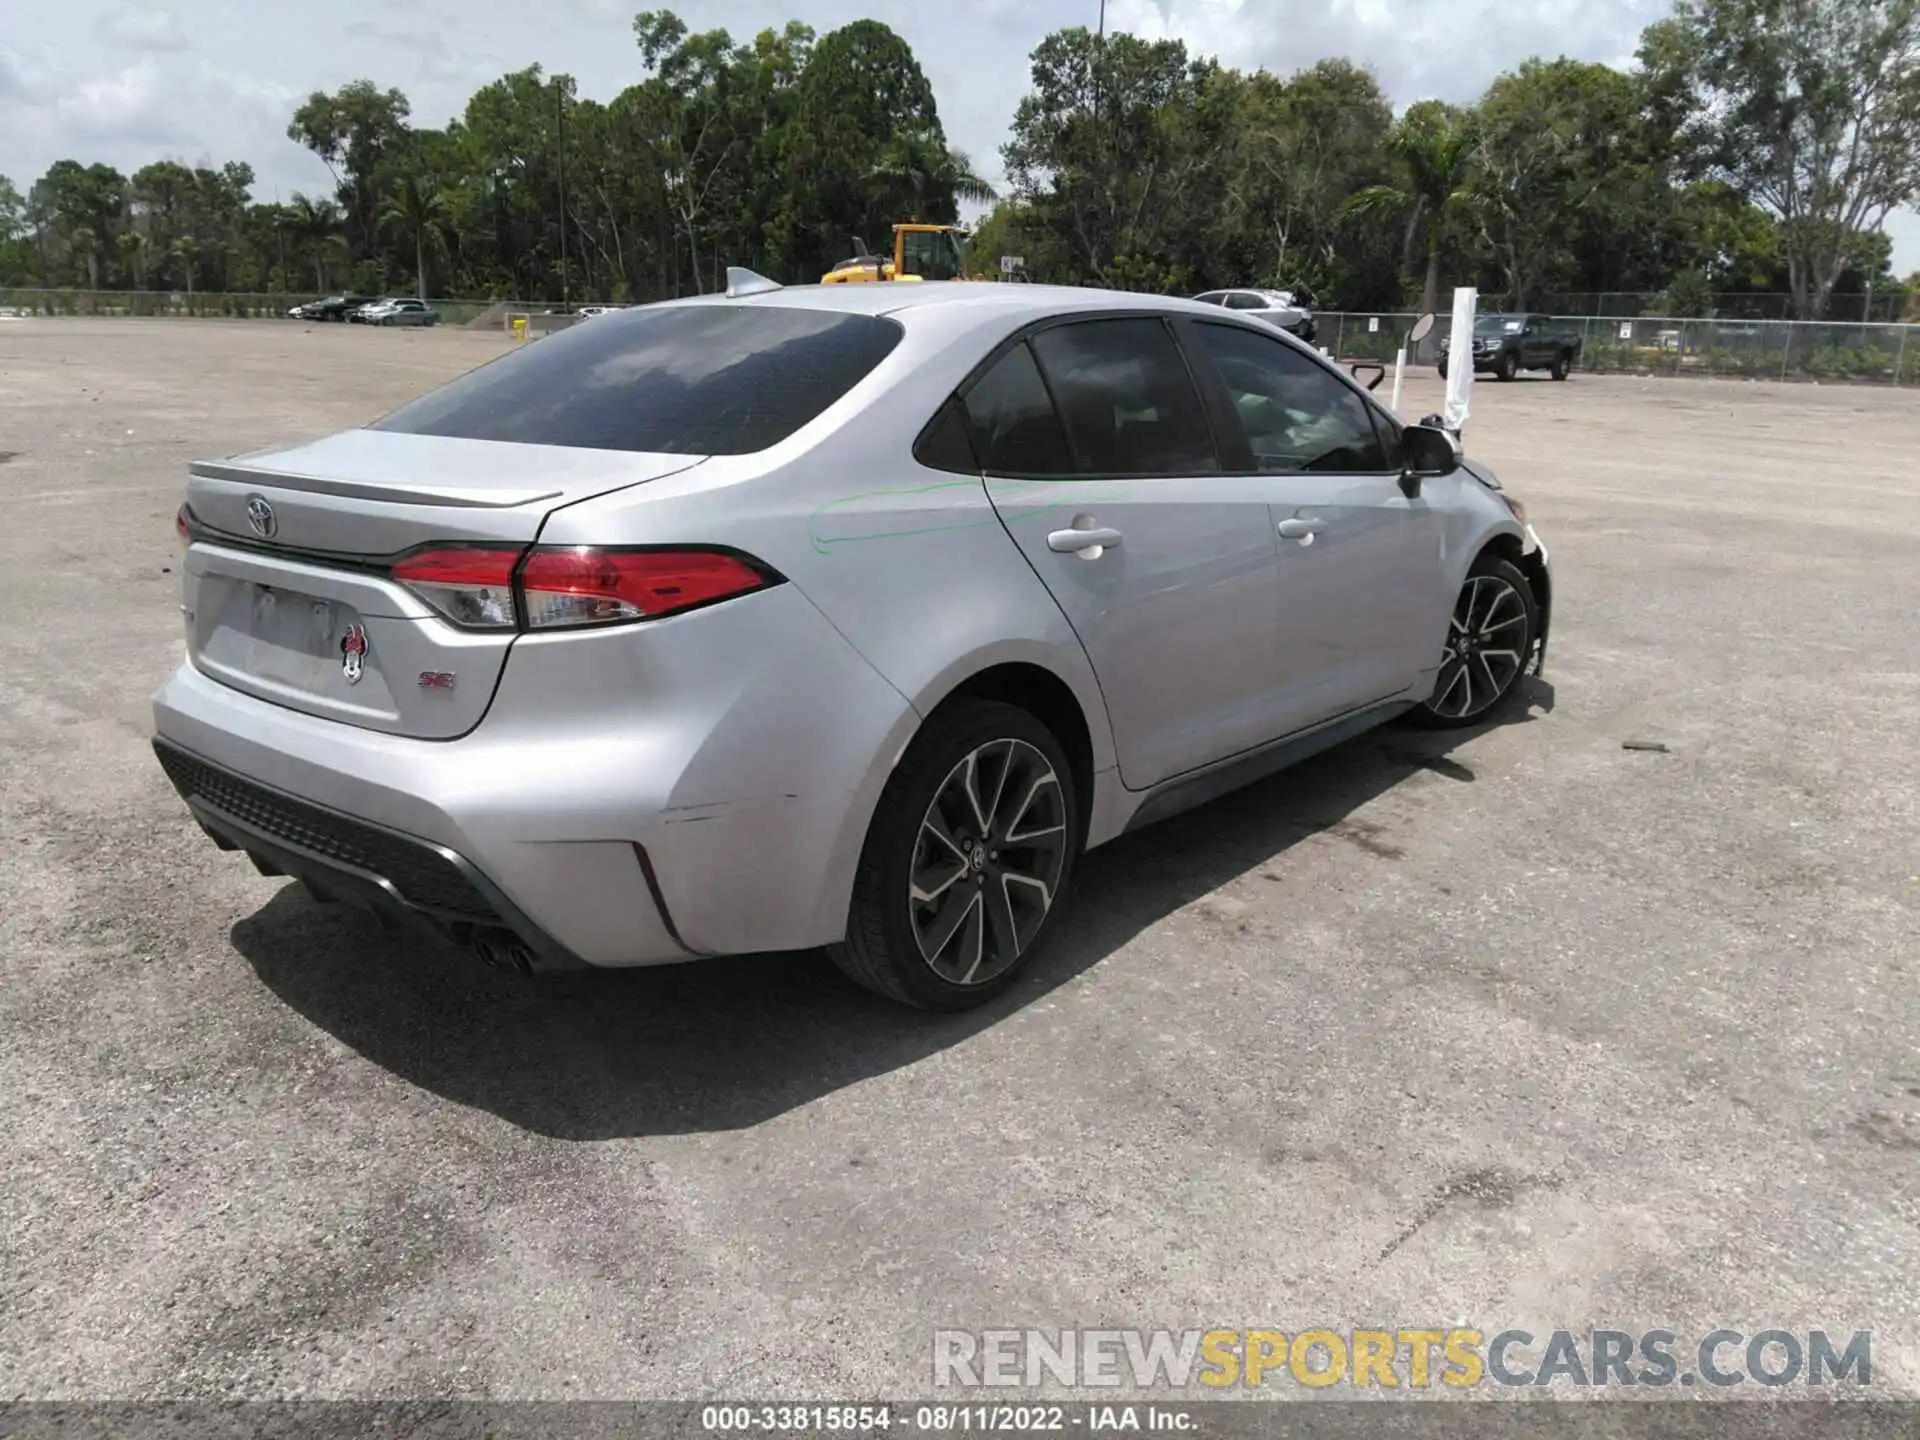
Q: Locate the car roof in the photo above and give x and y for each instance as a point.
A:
(882, 297)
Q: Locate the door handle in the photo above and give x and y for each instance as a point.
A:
(1078, 541)
(1298, 529)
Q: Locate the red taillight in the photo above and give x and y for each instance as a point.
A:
(579, 585)
(472, 585)
(182, 526)
(475, 586)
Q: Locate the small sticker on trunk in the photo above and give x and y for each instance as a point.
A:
(436, 680)
(353, 653)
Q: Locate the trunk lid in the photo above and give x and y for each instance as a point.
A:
(285, 591)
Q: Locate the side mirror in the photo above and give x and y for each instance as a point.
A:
(1430, 452)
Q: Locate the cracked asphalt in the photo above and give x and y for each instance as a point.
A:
(1524, 1029)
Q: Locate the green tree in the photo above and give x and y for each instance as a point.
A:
(1104, 148)
(315, 226)
(77, 211)
(416, 212)
(357, 131)
(1809, 107)
(1434, 145)
(928, 175)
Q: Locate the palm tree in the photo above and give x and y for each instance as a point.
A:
(133, 253)
(1435, 144)
(187, 250)
(418, 211)
(86, 240)
(314, 223)
(921, 165)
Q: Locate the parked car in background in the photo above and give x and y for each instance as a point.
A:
(358, 314)
(1508, 344)
(679, 634)
(398, 312)
(333, 308)
(1280, 308)
(587, 312)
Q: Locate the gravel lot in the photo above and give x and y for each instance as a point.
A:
(1527, 1030)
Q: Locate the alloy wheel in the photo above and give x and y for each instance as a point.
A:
(1486, 640)
(987, 861)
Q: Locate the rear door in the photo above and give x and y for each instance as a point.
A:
(1101, 463)
(1360, 580)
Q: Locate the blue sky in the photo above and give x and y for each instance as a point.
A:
(218, 79)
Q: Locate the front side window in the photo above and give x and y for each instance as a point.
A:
(1295, 414)
(702, 379)
(1126, 399)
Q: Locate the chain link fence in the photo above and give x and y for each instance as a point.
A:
(1885, 306)
(1830, 350)
(208, 305)
(1736, 349)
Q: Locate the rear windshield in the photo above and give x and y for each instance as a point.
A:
(678, 379)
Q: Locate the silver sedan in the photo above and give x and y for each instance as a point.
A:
(843, 616)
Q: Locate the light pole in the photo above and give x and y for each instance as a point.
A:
(1099, 54)
(560, 127)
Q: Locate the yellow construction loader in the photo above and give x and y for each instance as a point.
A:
(920, 252)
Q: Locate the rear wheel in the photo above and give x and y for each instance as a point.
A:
(1489, 637)
(969, 855)
(1562, 363)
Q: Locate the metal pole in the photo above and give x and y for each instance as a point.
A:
(1099, 53)
(1399, 373)
(560, 125)
(1900, 365)
(281, 238)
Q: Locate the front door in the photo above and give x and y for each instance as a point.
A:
(1361, 584)
(1164, 566)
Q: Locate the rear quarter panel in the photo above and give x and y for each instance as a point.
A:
(911, 566)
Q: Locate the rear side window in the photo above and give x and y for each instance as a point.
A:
(1244, 301)
(677, 379)
(1015, 431)
(945, 444)
(1126, 398)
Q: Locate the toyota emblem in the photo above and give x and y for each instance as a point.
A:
(260, 517)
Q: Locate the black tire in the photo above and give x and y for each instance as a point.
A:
(1433, 714)
(1562, 364)
(1507, 368)
(882, 951)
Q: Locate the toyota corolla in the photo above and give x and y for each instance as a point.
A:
(843, 616)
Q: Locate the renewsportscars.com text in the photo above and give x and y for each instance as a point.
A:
(1412, 1359)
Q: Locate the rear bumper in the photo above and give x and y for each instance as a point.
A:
(696, 786)
(337, 857)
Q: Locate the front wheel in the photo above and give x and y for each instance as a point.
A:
(1562, 363)
(1489, 637)
(969, 856)
(1508, 367)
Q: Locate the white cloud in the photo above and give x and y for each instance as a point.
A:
(143, 30)
(123, 105)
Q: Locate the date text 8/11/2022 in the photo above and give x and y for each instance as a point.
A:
(941, 1419)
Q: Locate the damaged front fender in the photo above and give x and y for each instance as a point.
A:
(1533, 564)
